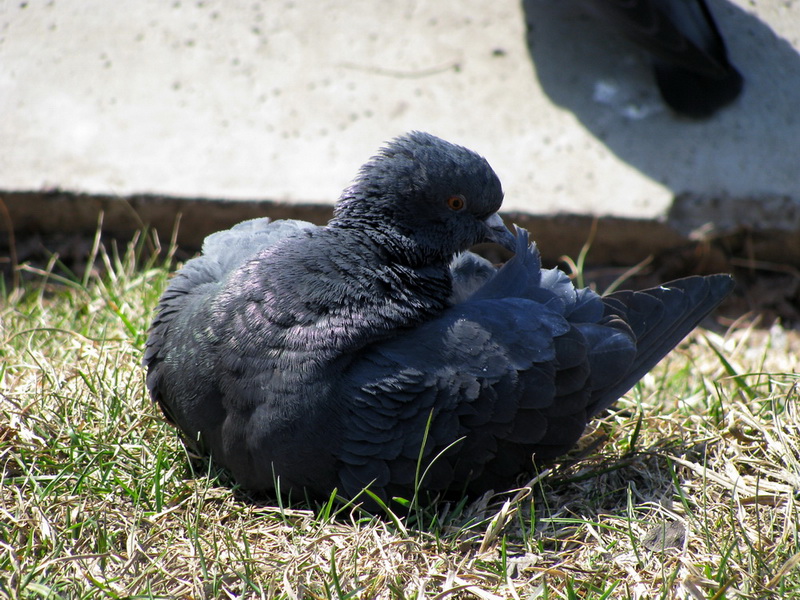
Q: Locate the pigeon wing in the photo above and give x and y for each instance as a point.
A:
(456, 381)
(465, 399)
(178, 356)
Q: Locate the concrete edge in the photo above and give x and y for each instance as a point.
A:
(617, 241)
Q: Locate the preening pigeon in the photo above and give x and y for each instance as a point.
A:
(376, 351)
(690, 60)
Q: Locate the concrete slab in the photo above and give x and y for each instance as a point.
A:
(283, 101)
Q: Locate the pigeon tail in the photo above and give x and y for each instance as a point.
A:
(690, 59)
(659, 318)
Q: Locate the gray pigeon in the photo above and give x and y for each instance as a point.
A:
(378, 352)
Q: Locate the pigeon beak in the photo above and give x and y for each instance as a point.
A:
(497, 232)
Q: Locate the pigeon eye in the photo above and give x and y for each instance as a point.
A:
(456, 202)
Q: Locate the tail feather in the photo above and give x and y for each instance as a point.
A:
(659, 318)
(692, 69)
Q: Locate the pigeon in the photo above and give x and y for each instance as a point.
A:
(690, 60)
(377, 353)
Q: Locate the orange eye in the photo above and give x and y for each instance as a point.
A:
(456, 202)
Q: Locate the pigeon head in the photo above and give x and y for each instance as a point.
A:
(426, 196)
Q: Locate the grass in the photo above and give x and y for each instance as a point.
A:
(690, 489)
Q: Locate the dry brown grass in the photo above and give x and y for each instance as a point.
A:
(690, 489)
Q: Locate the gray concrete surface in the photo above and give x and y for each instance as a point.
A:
(282, 101)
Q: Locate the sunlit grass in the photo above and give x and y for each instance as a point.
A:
(690, 489)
